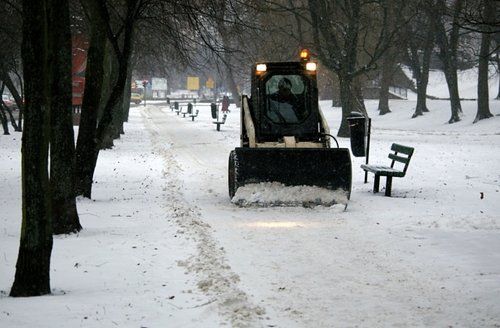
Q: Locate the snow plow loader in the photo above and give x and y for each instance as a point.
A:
(285, 141)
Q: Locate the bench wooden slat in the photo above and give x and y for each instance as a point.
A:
(397, 158)
(402, 149)
(383, 170)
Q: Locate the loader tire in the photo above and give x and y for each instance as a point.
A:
(232, 174)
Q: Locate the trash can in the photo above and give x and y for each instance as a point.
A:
(176, 105)
(357, 128)
(213, 107)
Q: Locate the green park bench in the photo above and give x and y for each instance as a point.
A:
(401, 156)
(221, 122)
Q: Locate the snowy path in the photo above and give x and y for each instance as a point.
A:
(162, 246)
(209, 264)
(296, 267)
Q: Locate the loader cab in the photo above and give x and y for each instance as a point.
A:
(285, 101)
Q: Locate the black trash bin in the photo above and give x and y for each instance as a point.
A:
(213, 107)
(357, 127)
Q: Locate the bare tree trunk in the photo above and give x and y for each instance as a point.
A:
(62, 148)
(450, 72)
(497, 60)
(19, 102)
(11, 118)
(3, 119)
(225, 33)
(336, 102)
(347, 101)
(232, 85)
(483, 96)
(4, 110)
(352, 101)
(5, 77)
(86, 143)
(126, 99)
(422, 87)
(122, 50)
(116, 128)
(123, 55)
(388, 63)
(32, 276)
(339, 31)
(421, 72)
(448, 52)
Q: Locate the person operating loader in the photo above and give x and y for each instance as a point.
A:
(284, 103)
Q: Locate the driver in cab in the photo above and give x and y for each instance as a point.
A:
(283, 103)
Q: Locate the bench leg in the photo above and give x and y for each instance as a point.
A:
(388, 186)
(218, 127)
(376, 183)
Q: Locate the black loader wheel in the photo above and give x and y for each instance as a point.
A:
(231, 174)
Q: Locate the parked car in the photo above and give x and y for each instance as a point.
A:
(136, 98)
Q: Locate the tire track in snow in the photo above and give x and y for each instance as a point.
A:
(209, 264)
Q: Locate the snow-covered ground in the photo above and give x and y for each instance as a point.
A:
(163, 246)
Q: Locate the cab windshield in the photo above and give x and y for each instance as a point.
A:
(286, 99)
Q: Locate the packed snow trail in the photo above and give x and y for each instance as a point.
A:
(429, 256)
(209, 264)
(320, 267)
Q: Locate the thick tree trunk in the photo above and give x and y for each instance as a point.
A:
(232, 85)
(35, 248)
(126, 98)
(86, 143)
(62, 150)
(483, 96)
(111, 68)
(123, 53)
(422, 73)
(225, 34)
(448, 44)
(111, 72)
(452, 82)
(422, 83)
(388, 63)
(352, 101)
(116, 128)
(336, 101)
(229, 75)
(347, 100)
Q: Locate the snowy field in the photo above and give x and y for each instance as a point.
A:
(163, 246)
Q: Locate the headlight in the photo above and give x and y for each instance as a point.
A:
(311, 66)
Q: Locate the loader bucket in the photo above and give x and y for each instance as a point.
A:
(328, 168)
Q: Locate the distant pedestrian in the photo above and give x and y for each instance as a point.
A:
(225, 104)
